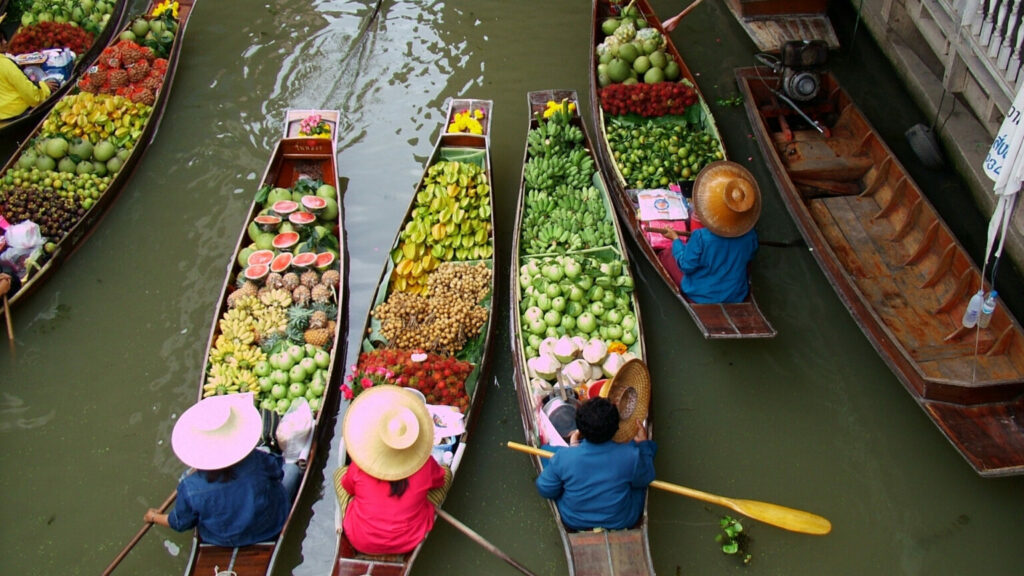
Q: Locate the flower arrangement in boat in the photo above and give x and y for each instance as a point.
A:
(555, 107)
(167, 7)
(441, 378)
(314, 126)
(468, 121)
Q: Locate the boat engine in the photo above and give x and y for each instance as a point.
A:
(801, 62)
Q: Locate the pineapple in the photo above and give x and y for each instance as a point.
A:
(275, 281)
(299, 316)
(301, 295)
(320, 294)
(310, 279)
(331, 278)
(318, 319)
(291, 281)
(319, 337)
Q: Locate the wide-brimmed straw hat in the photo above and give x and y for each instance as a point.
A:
(726, 198)
(388, 432)
(217, 431)
(630, 391)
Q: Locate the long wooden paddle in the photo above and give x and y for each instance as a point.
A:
(10, 323)
(780, 516)
(670, 24)
(481, 541)
(138, 536)
(775, 243)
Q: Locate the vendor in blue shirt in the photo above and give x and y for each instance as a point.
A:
(715, 260)
(598, 483)
(238, 495)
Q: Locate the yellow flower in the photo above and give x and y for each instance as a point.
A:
(166, 5)
(467, 121)
(555, 107)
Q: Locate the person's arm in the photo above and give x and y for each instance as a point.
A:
(155, 517)
(549, 483)
(29, 92)
(643, 474)
(689, 255)
(437, 473)
(348, 481)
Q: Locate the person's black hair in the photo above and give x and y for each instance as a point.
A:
(597, 420)
(398, 487)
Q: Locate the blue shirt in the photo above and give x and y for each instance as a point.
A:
(715, 267)
(250, 508)
(599, 485)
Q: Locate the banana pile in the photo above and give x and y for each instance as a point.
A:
(237, 349)
(565, 221)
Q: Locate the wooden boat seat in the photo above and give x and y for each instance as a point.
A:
(819, 160)
(610, 553)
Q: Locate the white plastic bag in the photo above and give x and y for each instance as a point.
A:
(23, 240)
(295, 431)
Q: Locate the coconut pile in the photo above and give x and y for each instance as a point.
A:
(582, 362)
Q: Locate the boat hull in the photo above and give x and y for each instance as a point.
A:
(897, 267)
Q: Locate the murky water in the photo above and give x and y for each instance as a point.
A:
(109, 352)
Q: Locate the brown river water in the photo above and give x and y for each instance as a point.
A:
(109, 352)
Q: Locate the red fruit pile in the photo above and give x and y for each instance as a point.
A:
(50, 35)
(126, 69)
(442, 379)
(647, 100)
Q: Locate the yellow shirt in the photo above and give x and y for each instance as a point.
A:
(17, 92)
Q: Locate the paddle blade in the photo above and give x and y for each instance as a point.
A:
(782, 517)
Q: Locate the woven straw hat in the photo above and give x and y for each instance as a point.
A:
(217, 432)
(630, 391)
(726, 198)
(388, 432)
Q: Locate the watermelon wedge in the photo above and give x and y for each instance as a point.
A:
(314, 204)
(260, 257)
(301, 219)
(324, 261)
(268, 222)
(284, 207)
(304, 259)
(256, 271)
(286, 240)
(281, 262)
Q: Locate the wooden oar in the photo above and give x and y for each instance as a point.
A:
(670, 24)
(780, 516)
(775, 243)
(138, 536)
(10, 324)
(481, 541)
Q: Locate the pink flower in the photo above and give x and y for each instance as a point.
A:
(346, 392)
(366, 382)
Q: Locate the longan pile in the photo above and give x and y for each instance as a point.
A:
(444, 319)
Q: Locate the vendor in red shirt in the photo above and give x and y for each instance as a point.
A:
(388, 492)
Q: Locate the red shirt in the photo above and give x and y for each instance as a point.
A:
(378, 523)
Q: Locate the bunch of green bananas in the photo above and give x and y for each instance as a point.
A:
(553, 138)
(574, 169)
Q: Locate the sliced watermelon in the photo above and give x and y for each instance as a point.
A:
(256, 271)
(301, 219)
(285, 207)
(304, 259)
(260, 257)
(268, 222)
(286, 240)
(314, 204)
(281, 262)
(324, 260)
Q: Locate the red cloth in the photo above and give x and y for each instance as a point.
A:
(377, 523)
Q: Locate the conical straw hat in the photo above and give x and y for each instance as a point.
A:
(388, 432)
(726, 198)
(217, 431)
(630, 391)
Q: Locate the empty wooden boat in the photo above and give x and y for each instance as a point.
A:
(895, 264)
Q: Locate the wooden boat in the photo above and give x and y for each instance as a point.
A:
(62, 244)
(739, 320)
(10, 126)
(895, 264)
(303, 166)
(474, 358)
(772, 23)
(620, 552)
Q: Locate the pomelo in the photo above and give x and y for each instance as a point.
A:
(244, 253)
(672, 71)
(285, 240)
(327, 191)
(609, 26)
(641, 64)
(330, 213)
(257, 271)
(618, 70)
(658, 59)
(654, 75)
(285, 207)
(628, 52)
(260, 257)
(278, 194)
(264, 240)
(281, 262)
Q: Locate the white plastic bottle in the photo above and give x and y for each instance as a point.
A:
(987, 308)
(970, 319)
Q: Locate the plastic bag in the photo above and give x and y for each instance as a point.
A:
(295, 431)
(23, 240)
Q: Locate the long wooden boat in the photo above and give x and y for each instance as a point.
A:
(772, 23)
(738, 320)
(115, 22)
(298, 213)
(425, 251)
(536, 368)
(77, 114)
(893, 261)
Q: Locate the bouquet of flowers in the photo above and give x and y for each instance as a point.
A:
(442, 379)
(467, 121)
(314, 125)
